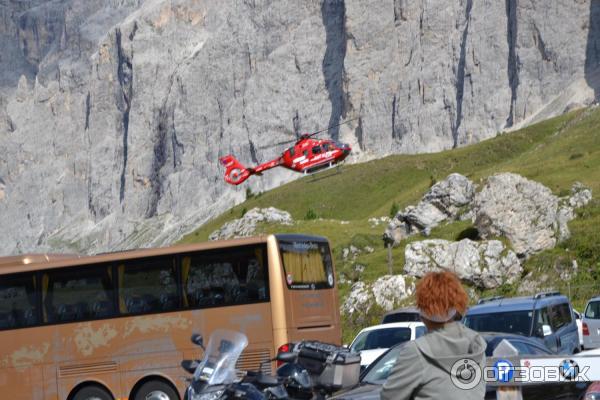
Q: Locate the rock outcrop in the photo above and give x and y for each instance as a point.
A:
(486, 264)
(390, 290)
(525, 212)
(445, 201)
(580, 196)
(113, 113)
(246, 226)
(386, 292)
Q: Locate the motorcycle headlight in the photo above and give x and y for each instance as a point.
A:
(214, 395)
(592, 396)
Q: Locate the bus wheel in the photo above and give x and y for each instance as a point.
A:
(92, 393)
(156, 390)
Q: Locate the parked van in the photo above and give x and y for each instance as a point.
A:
(546, 316)
(591, 324)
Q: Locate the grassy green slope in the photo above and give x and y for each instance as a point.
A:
(556, 152)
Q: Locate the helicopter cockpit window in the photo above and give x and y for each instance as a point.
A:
(316, 150)
(325, 146)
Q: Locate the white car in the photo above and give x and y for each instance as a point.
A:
(373, 341)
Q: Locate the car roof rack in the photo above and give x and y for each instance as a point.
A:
(546, 294)
(487, 299)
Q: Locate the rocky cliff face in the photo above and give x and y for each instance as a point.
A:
(113, 113)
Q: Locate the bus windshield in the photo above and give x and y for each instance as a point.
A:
(307, 264)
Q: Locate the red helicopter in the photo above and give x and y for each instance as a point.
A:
(307, 155)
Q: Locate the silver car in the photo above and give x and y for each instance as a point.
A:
(590, 324)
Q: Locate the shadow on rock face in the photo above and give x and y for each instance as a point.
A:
(592, 54)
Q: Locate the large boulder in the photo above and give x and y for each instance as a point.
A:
(390, 290)
(451, 195)
(246, 226)
(523, 211)
(486, 264)
(446, 200)
(387, 292)
(358, 301)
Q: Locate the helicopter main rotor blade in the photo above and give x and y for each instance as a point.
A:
(333, 126)
(307, 135)
(278, 144)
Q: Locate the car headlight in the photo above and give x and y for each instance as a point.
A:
(592, 396)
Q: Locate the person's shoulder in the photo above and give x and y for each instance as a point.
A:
(410, 349)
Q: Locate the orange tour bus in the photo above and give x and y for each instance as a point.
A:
(116, 326)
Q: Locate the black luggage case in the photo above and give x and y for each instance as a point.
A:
(333, 367)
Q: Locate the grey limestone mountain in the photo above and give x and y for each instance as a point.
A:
(113, 113)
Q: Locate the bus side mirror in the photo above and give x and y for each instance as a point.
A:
(198, 340)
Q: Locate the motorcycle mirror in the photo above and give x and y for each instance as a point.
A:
(286, 357)
(189, 365)
(197, 339)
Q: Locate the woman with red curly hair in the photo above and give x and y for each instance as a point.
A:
(443, 363)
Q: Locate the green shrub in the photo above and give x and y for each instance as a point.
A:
(575, 156)
(432, 180)
(311, 214)
(394, 210)
(469, 233)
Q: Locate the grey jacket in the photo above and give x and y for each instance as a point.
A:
(423, 367)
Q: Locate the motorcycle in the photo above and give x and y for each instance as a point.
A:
(216, 378)
(314, 370)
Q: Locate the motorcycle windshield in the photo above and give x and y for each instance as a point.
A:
(223, 350)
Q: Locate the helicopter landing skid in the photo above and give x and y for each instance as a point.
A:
(319, 168)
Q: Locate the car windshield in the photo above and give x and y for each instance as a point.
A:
(518, 322)
(380, 339)
(380, 370)
(401, 317)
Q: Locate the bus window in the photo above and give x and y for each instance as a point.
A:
(73, 295)
(148, 286)
(234, 277)
(307, 264)
(17, 301)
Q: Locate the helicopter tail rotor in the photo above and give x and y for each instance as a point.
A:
(235, 172)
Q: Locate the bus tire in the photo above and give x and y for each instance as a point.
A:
(92, 392)
(156, 390)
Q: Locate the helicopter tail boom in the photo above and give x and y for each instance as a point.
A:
(235, 172)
